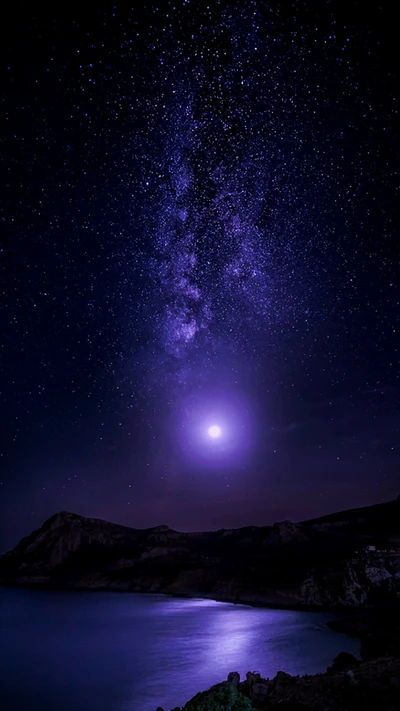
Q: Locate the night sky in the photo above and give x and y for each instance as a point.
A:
(200, 288)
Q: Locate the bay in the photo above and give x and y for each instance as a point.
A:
(78, 651)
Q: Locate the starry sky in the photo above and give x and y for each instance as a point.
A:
(199, 218)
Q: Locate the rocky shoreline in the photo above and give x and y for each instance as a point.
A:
(348, 685)
(268, 601)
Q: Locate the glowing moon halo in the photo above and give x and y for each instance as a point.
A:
(214, 431)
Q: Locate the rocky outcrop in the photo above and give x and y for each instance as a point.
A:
(288, 532)
(361, 685)
(285, 565)
(343, 662)
(355, 582)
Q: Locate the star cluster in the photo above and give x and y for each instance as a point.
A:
(199, 218)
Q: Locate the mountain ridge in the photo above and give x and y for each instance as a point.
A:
(346, 514)
(311, 564)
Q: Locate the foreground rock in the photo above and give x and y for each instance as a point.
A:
(314, 564)
(366, 686)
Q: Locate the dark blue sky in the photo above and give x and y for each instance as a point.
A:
(199, 220)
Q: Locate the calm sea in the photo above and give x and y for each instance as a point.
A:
(76, 651)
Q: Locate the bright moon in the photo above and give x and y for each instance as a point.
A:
(214, 431)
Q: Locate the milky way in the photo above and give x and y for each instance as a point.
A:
(266, 180)
(200, 221)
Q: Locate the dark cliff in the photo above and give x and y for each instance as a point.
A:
(309, 564)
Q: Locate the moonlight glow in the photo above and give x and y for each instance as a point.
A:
(214, 431)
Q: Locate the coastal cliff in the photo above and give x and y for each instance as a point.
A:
(321, 563)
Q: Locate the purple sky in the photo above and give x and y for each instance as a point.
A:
(200, 227)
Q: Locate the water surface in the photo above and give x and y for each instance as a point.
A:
(75, 651)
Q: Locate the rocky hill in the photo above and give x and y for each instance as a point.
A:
(310, 564)
(348, 685)
(377, 524)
